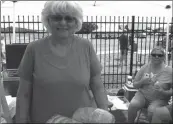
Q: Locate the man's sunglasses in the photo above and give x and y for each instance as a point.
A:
(159, 55)
(59, 18)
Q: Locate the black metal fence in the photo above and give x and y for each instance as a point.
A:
(144, 33)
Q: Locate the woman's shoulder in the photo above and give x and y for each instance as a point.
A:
(168, 69)
(145, 66)
(82, 41)
(38, 44)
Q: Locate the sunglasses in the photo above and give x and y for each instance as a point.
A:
(59, 18)
(159, 55)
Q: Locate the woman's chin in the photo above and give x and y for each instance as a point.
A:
(61, 35)
(157, 62)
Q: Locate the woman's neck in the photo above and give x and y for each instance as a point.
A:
(61, 40)
(156, 67)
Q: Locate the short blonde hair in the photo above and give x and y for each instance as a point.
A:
(62, 7)
(159, 48)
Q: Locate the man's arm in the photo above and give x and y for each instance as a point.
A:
(141, 79)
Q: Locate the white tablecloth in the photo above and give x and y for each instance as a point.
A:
(118, 103)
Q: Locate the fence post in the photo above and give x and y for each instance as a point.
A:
(132, 44)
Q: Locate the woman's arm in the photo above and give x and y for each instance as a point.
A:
(23, 101)
(140, 83)
(99, 92)
(96, 84)
(25, 72)
(141, 79)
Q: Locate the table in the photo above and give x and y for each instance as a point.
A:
(120, 108)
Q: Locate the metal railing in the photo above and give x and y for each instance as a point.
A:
(144, 33)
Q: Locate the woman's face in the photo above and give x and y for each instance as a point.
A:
(62, 25)
(157, 56)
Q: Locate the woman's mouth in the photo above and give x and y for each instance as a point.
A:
(61, 29)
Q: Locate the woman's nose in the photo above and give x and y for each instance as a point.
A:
(63, 22)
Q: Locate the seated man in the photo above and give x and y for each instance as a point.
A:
(154, 82)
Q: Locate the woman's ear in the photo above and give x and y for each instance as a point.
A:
(49, 25)
(48, 21)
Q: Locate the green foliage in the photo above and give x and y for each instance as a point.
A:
(87, 27)
(21, 30)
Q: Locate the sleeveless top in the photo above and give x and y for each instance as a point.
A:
(163, 79)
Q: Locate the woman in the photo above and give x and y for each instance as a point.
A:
(164, 113)
(59, 73)
(154, 82)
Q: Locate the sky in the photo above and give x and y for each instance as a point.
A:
(102, 8)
